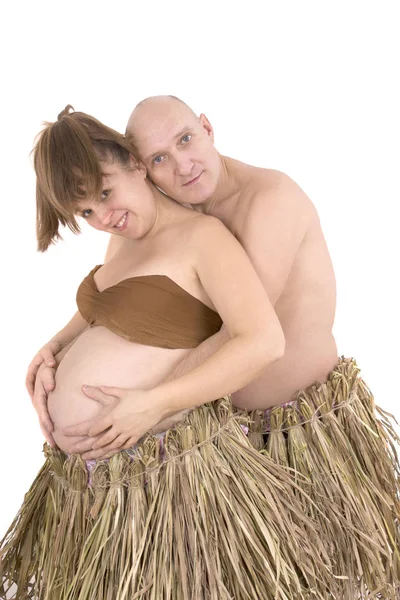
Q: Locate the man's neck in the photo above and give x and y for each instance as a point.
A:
(226, 190)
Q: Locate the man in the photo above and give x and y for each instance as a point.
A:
(275, 222)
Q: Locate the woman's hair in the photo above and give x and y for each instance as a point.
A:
(67, 158)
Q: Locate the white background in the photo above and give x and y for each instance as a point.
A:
(309, 88)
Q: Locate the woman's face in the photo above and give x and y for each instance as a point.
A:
(127, 206)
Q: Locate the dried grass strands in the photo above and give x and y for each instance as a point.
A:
(205, 516)
(18, 561)
(215, 520)
(345, 459)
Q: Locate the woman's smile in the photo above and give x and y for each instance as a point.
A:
(122, 223)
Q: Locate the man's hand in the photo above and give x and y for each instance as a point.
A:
(44, 383)
(133, 415)
(45, 355)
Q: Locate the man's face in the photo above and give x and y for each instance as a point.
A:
(177, 149)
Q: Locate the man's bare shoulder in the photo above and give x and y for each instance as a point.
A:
(276, 189)
(271, 194)
(267, 186)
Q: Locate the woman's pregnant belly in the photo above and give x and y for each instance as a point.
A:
(100, 357)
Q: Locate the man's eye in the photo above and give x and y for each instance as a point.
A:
(86, 213)
(158, 159)
(186, 138)
(105, 194)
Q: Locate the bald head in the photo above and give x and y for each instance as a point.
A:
(154, 106)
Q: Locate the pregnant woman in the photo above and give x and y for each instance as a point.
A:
(193, 511)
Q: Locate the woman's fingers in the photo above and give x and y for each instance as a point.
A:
(108, 438)
(47, 433)
(82, 446)
(94, 454)
(100, 426)
(39, 402)
(31, 374)
(90, 428)
(116, 445)
(78, 429)
(48, 379)
(97, 393)
(112, 391)
(46, 355)
(128, 444)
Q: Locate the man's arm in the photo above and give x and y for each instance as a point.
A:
(272, 235)
(275, 227)
(199, 354)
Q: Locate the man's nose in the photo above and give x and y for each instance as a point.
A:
(183, 165)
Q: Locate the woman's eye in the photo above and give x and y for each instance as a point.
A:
(105, 194)
(158, 159)
(186, 138)
(86, 213)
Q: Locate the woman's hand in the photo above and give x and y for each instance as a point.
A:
(44, 383)
(45, 355)
(133, 415)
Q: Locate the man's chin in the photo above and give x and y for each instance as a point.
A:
(196, 199)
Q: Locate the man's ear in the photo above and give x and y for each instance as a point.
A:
(142, 169)
(138, 166)
(204, 122)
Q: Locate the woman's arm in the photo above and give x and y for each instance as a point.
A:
(47, 353)
(255, 336)
(68, 334)
(71, 331)
(44, 383)
(255, 340)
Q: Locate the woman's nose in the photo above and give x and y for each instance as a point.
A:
(104, 215)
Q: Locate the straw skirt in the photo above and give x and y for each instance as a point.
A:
(297, 502)
(343, 451)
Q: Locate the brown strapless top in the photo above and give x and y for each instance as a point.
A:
(151, 310)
